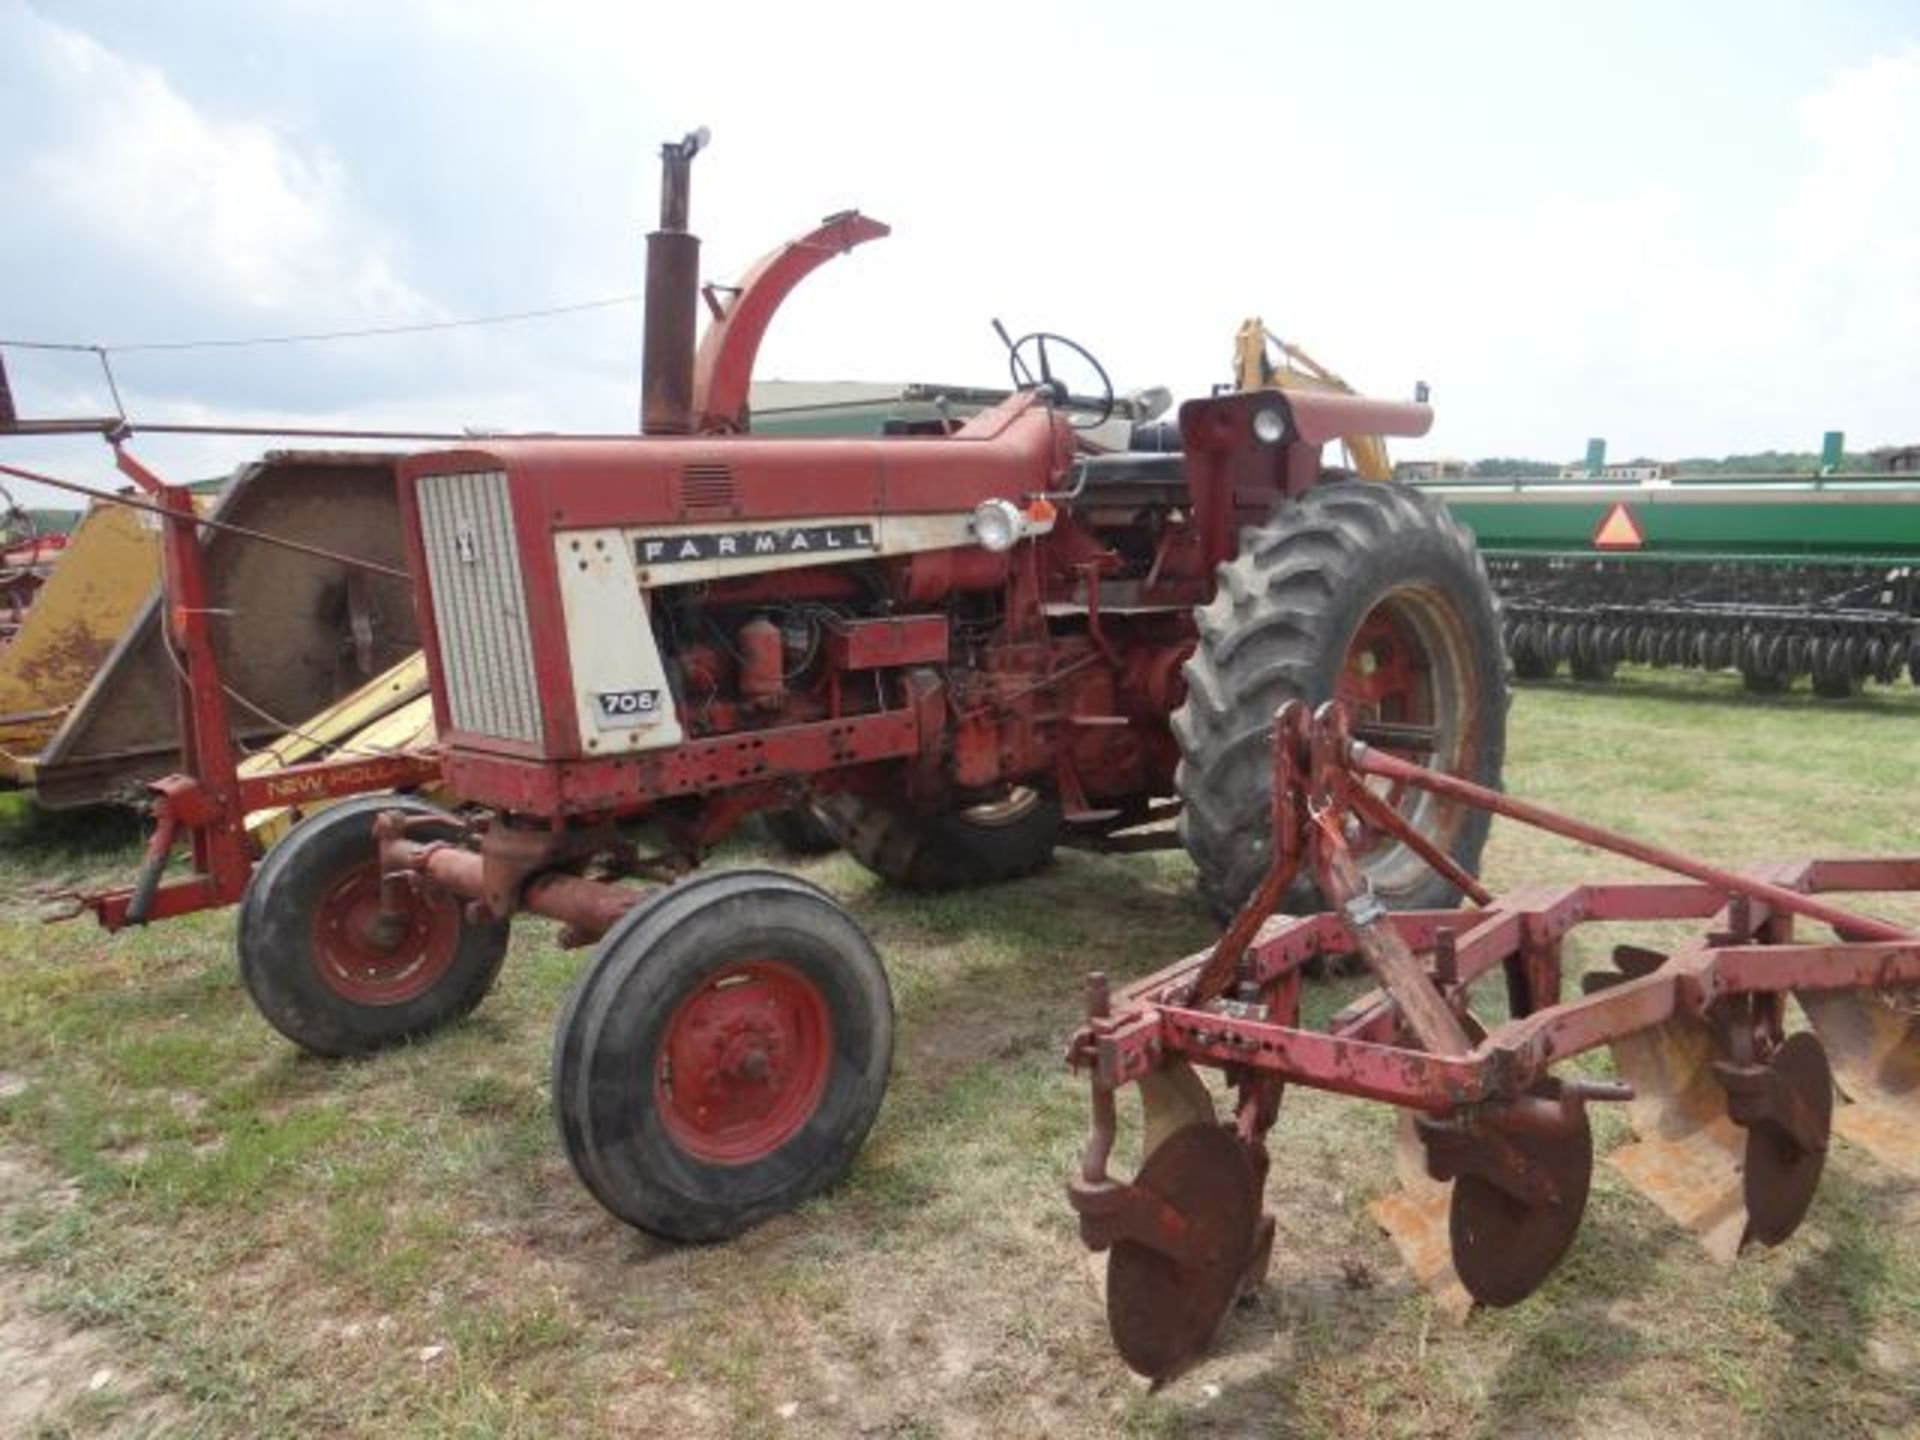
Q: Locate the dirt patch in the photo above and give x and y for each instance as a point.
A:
(51, 1372)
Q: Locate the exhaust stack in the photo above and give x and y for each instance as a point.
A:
(673, 282)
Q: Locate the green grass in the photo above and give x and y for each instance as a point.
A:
(281, 1246)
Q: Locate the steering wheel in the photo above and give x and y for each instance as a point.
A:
(1101, 406)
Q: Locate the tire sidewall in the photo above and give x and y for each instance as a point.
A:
(1411, 560)
(274, 939)
(943, 850)
(620, 950)
(641, 978)
(1305, 582)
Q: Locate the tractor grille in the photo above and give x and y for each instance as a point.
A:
(479, 605)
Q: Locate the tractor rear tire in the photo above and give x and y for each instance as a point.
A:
(723, 1056)
(1372, 593)
(310, 953)
(798, 830)
(955, 850)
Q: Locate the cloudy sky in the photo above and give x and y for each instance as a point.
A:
(1691, 228)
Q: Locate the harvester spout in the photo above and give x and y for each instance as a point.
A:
(673, 280)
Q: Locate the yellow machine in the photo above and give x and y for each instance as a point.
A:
(390, 713)
(104, 577)
(1255, 368)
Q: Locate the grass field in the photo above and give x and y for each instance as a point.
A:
(242, 1240)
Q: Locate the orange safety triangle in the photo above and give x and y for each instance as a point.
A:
(1619, 531)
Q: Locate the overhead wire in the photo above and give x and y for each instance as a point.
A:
(311, 337)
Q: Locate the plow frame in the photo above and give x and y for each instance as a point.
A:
(1361, 1052)
(1485, 1107)
(1406, 1043)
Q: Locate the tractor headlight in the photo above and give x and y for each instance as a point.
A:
(998, 525)
(1269, 425)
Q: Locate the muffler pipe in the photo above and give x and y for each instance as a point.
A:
(673, 286)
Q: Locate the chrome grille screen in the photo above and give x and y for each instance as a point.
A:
(479, 604)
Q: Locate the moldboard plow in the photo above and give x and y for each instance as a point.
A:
(1733, 1108)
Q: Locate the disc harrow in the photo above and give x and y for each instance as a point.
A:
(1733, 1104)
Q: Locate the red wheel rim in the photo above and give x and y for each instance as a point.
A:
(744, 1062)
(1386, 678)
(371, 960)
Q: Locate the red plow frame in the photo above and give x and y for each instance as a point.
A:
(1737, 1111)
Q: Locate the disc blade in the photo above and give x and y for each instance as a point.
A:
(1163, 1313)
(1782, 1175)
(1504, 1247)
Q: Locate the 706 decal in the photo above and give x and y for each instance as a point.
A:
(618, 709)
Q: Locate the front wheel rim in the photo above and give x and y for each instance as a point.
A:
(743, 1063)
(369, 956)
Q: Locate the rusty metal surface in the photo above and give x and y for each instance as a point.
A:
(1786, 1106)
(284, 629)
(1688, 1153)
(1849, 925)
(587, 908)
(1873, 1042)
(1163, 1311)
(673, 282)
(1519, 1195)
(105, 575)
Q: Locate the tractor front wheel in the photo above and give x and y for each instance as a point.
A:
(1372, 594)
(335, 971)
(723, 1056)
(1006, 838)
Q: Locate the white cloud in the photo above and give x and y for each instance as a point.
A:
(228, 210)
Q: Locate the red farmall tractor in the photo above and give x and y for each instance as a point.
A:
(957, 649)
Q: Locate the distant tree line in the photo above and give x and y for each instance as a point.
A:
(1763, 462)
